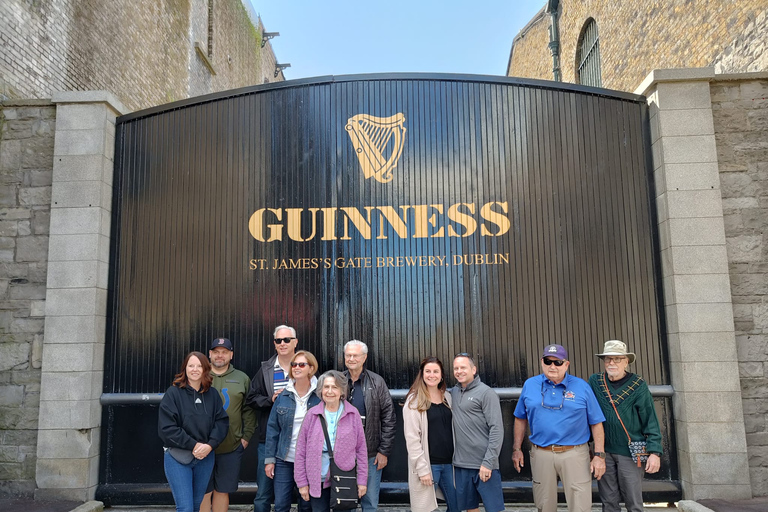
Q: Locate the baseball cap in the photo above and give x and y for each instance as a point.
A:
(221, 342)
(556, 351)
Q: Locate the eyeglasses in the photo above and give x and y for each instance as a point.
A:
(300, 365)
(614, 359)
(283, 340)
(556, 362)
(548, 394)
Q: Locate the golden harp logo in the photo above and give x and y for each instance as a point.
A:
(372, 137)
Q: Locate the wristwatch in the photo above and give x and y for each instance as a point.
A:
(600, 454)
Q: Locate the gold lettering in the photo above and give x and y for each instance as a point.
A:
(502, 221)
(469, 223)
(397, 222)
(256, 225)
(424, 220)
(363, 226)
(329, 224)
(293, 221)
(428, 221)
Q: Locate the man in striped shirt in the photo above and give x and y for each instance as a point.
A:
(268, 382)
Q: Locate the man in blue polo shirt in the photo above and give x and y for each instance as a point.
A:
(561, 410)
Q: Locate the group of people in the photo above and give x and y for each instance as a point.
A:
(453, 437)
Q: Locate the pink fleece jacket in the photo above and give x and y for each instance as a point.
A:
(350, 449)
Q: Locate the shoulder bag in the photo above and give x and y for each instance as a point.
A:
(343, 483)
(636, 448)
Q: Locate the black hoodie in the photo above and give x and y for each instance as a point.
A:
(188, 417)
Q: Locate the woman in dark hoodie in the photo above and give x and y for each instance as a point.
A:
(192, 422)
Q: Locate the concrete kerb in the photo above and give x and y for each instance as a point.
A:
(522, 507)
(90, 506)
(692, 506)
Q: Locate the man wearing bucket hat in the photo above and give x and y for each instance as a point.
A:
(561, 411)
(632, 434)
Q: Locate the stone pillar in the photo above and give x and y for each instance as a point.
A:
(711, 442)
(68, 441)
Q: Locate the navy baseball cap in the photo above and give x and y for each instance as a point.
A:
(556, 351)
(222, 342)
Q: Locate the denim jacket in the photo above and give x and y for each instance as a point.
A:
(280, 424)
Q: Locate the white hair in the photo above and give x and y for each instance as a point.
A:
(293, 331)
(341, 383)
(356, 343)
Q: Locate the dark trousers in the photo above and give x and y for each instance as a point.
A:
(323, 503)
(284, 486)
(622, 481)
(265, 494)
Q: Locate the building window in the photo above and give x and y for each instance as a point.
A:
(588, 56)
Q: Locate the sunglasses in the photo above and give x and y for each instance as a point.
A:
(300, 365)
(546, 396)
(555, 362)
(283, 340)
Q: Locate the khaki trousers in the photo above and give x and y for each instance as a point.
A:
(573, 469)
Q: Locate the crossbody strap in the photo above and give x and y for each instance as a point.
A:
(605, 384)
(327, 437)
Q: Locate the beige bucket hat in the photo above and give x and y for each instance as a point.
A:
(616, 348)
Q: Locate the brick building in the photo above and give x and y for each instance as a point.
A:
(142, 53)
(721, 113)
(628, 40)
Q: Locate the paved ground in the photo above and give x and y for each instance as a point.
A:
(753, 505)
(246, 508)
(67, 506)
(37, 506)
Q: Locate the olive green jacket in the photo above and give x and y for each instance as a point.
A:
(233, 387)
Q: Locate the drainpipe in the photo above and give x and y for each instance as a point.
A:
(554, 38)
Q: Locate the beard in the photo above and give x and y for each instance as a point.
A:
(219, 364)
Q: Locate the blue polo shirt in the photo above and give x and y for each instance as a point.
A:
(558, 413)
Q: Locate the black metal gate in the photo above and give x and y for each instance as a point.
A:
(422, 214)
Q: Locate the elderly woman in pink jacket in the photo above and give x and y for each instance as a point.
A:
(345, 430)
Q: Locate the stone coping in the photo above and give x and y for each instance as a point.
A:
(26, 103)
(693, 75)
(90, 97)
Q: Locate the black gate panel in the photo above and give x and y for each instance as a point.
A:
(422, 214)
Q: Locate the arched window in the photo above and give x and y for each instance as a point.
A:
(588, 56)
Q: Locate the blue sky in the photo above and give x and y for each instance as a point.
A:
(339, 37)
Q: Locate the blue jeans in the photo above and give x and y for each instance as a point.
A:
(188, 481)
(370, 501)
(265, 494)
(442, 476)
(284, 486)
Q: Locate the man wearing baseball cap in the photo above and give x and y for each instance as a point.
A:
(233, 386)
(561, 411)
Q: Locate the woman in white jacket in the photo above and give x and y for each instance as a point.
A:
(427, 421)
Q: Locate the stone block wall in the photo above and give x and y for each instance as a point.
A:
(26, 163)
(636, 38)
(740, 114)
(142, 51)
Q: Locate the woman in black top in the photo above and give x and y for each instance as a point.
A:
(427, 421)
(191, 423)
